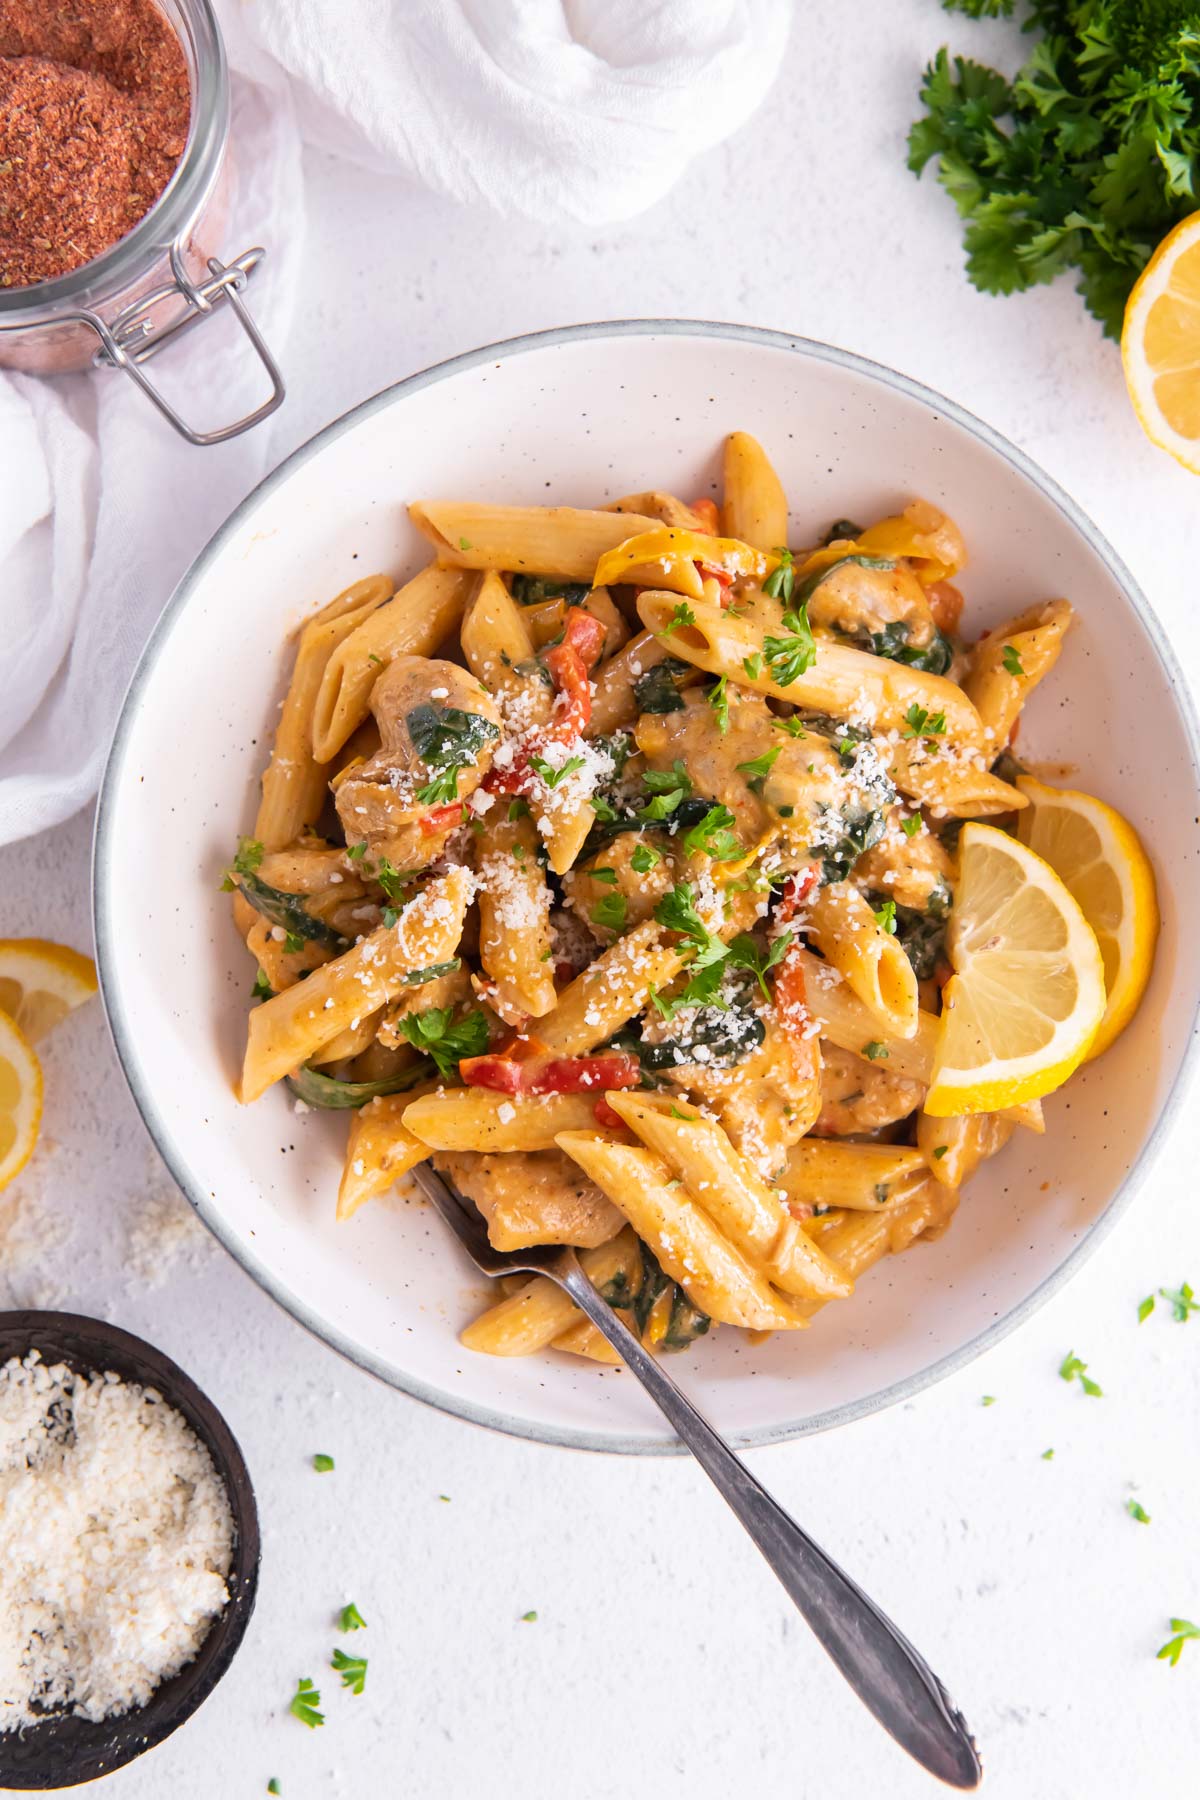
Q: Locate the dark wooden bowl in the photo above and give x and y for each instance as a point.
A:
(63, 1750)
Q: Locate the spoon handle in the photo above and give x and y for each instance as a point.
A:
(890, 1677)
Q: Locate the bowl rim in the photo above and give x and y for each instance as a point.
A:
(444, 1400)
(178, 1698)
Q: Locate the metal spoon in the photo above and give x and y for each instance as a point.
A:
(891, 1678)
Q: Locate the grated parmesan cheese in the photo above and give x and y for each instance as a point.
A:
(115, 1541)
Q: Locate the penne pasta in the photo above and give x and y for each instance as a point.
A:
(413, 622)
(870, 960)
(559, 541)
(473, 1118)
(755, 507)
(848, 1022)
(1009, 662)
(514, 918)
(858, 1177)
(379, 1149)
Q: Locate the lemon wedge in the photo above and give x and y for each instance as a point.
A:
(1099, 856)
(1027, 993)
(1160, 345)
(40, 983)
(20, 1099)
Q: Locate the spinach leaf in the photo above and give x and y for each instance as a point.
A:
(324, 1092)
(287, 910)
(656, 690)
(530, 590)
(446, 737)
(893, 643)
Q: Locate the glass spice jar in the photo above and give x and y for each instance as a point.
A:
(165, 276)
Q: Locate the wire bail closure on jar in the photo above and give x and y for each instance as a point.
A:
(132, 337)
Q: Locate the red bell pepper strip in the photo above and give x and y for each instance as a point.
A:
(555, 1075)
(603, 1114)
(568, 664)
(706, 509)
(796, 890)
(710, 572)
(442, 818)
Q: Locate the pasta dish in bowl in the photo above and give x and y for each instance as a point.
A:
(675, 867)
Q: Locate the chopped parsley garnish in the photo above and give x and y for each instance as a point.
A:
(791, 726)
(1182, 1302)
(464, 543)
(753, 665)
(352, 1669)
(940, 1152)
(393, 881)
(390, 917)
(713, 836)
(350, 1619)
(656, 689)
(371, 657)
(718, 699)
(321, 1463)
(679, 619)
(442, 790)
(293, 943)
(782, 580)
(919, 723)
(875, 1051)
(447, 740)
(664, 781)
(885, 917)
(911, 825)
(745, 953)
(436, 1034)
(262, 990)
(550, 775)
(529, 1618)
(1071, 1369)
(677, 911)
(1012, 662)
(356, 852)
(610, 912)
(1137, 1511)
(518, 809)
(249, 854)
(759, 767)
(608, 877)
(1172, 1650)
(644, 858)
(273, 1786)
(304, 1703)
(1047, 1456)
(1145, 1309)
(788, 657)
(988, 1400)
(677, 1113)
(667, 788)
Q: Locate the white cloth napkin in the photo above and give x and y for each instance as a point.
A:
(588, 109)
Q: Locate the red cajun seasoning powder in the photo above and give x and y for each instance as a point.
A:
(94, 109)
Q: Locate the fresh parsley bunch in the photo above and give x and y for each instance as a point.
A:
(1085, 160)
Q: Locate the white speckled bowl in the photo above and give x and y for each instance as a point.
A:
(579, 416)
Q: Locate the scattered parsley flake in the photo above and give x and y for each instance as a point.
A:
(529, 1618)
(262, 990)
(911, 825)
(788, 657)
(1145, 1309)
(610, 912)
(322, 1463)
(352, 1669)
(988, 1400)
(1182, 1301)
(792, 726)
(371, 657)
(518, 809)
(1071, 1369)
(464, 543)
(644, 858)
(550, 775)
(350, 1619)
(677, 1113)
(713, 836)
(753, 666)
(920, 724)
(718, 699)
(608, 877)
(875, 1051)
(1012, 662)
(356, 852)
(435, 1033)
(885, 917)
(759, 767)
(1047, 1456)
(1137, 1511)
(273, 1786)
(781, 582)
(940, 1151)
(1172, 1650)
(304, 1703)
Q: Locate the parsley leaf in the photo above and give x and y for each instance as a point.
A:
(791, 726)
(607, 877)
(677, 911)
(434, 1034)
(718, 699)
(550, 775)
(988, 1400)
(759, 767)
(753, 665)
(356, 852)
(885, 917)
(1071, 1368)
(529, 1618)
(610, 912)
(1145, 1309)
(781, 582)
(745, 953)
(644, 858)
(789, 657)
(273, 1786)
(304, 1703)
(911, 825)
(713, 836)
(919, 723)
(1172, 1650)
(321, 1463)
(393, 881)
(1012, 662)
(249, 854)
(1137, 1511)
(350, 1619)
(681, 617)
(664, 781)
(875, 1051)
(352, 1669)
(262, 990)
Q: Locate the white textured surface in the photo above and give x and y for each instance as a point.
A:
(664, 1653)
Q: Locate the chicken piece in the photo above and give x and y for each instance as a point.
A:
(457, 724)
(533, 1197)
(861, 601)
(859, 1097)
(641, 889)
(912, 871)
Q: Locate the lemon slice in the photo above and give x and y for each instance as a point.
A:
(20, 1099)
(40, 983)
(1100, 857)
(1160, 345)
(1027, 993)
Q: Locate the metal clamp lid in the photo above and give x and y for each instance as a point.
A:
(132, 338)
